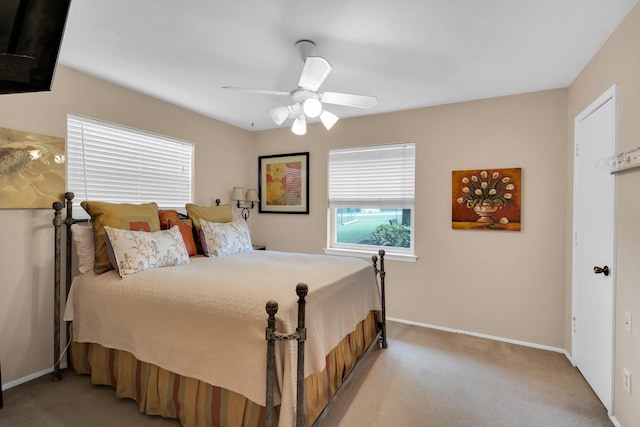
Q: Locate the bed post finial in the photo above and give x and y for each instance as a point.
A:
(302, 290)
(272, 309)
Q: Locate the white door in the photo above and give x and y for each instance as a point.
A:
(593, 246)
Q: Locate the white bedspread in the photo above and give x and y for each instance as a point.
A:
(207, 319)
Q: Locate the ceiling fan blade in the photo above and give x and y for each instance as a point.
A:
(260, 91)
(315, 71)
(349, 100)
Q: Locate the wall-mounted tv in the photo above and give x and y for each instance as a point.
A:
(30, 37)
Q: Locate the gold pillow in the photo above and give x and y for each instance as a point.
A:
(118, 215)
(195, 213)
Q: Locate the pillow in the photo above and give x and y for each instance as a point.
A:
(134, 251)
(118, 215)
(226, 238)
(169, 218)
(222, 213)
(82, 236)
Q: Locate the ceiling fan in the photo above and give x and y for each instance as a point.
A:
(306, 101)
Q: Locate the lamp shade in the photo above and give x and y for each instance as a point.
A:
(299, 126)
(328, 119)
(237, 193)
(280, 114)
(252, 195)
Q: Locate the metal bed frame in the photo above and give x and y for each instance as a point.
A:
(271, 335)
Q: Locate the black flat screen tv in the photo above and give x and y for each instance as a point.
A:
(30, 37)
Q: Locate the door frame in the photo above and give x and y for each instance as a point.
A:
(609, 94)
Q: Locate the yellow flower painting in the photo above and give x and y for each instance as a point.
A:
(32, 169)
(284, 183)
(277, 182)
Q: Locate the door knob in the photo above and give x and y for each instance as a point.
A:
(604, 270)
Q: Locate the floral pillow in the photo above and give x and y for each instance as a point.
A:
(225, 238)
(134, 251)
(195, 213)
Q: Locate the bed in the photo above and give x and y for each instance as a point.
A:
(247, 338)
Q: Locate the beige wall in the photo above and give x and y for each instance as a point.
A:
(485, 282)
(618, 62)
(506, 284)
(223, 153)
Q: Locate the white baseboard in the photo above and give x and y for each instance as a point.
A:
(28, 378)
(615, 421)
(490, 337)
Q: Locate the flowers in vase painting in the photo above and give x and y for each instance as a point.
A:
(487, 188)
(487, 198)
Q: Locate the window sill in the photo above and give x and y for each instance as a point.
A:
(369, 253)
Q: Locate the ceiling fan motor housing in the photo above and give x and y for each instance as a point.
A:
(309, 101)
(306, 48)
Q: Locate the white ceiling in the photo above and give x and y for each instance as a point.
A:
(408, 53)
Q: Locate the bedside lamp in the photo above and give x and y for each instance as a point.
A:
(238, 195)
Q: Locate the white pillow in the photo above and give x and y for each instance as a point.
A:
(134, 251)
(225, 238)
(82, 236)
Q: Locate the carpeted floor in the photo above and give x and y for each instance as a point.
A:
(425, 378)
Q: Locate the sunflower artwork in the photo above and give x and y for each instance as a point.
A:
(32, 169)
(487, 199)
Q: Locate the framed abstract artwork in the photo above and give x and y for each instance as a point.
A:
(32, 169)
(283, 183)
(487, 199)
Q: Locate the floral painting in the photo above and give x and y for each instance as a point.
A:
(487, 199)
(32, 169)
(284, 184)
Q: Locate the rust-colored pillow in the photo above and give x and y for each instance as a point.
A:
(220, 213)
(169, 218)
(118, 215)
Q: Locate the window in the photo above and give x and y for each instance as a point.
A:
(371, 199)
(112, 163)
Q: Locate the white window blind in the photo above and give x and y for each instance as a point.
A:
(111, 163)
(372, 177)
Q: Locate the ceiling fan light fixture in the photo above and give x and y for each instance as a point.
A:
(312, 108)
(299, 126)
(280, 114)
(306, 102)
(328, 119)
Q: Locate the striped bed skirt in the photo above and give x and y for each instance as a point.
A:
(198, 404)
